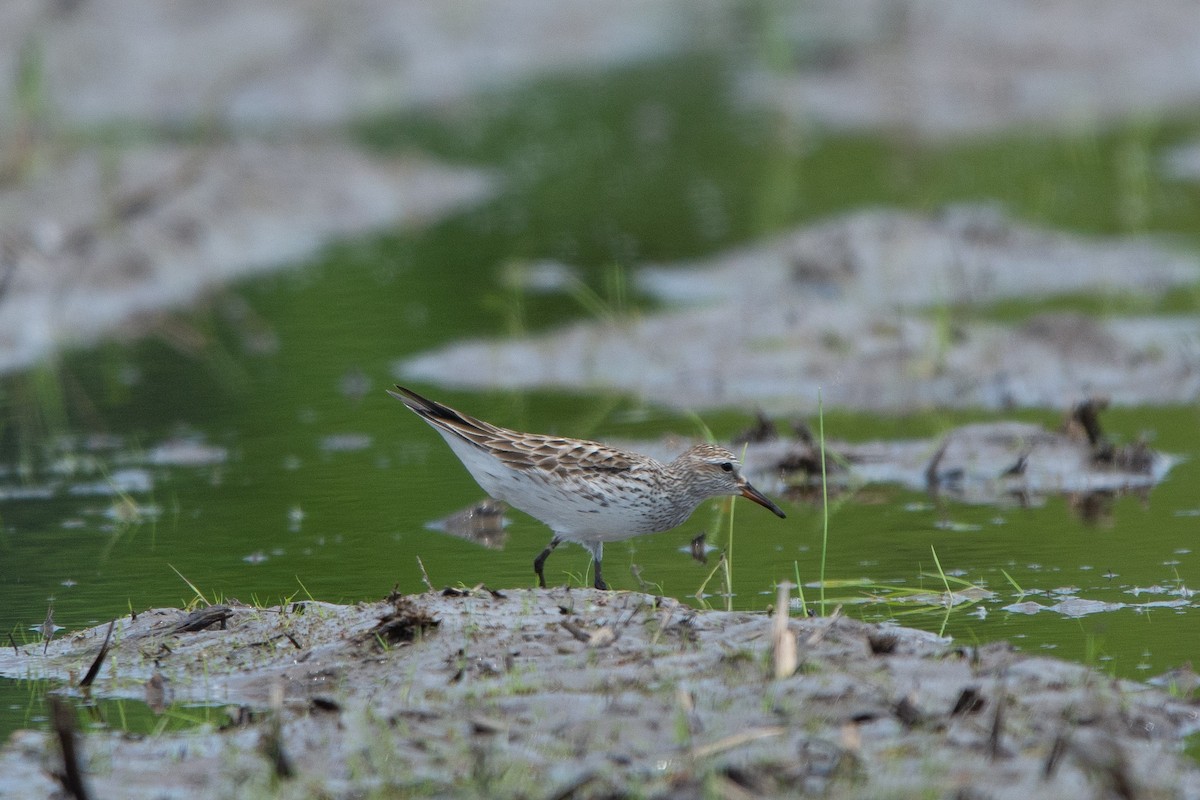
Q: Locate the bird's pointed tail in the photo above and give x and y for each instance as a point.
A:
(442, 416)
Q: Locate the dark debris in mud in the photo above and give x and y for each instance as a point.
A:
(1135, 458)
(1000, 463)
(403, 621)
(476, 591)
(202, 619)
(761, 430)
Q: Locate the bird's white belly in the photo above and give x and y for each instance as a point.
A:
(573, 513)
(596, 511)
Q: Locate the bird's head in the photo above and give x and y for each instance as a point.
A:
(715, 472)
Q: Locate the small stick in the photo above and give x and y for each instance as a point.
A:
(95, 667)
(48, 629)
(703, 586)
(576, 631)
(737, 740)
(63, 717)
(424, 575)
(995, 748)
(202, 619)
(271, 743)
(931, 475)
(783, 640)
(1057, 751)
(667, 613)
(820, 633)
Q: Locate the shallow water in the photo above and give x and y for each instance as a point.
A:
(247, 448)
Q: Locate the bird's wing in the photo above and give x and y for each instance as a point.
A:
(556, 455)
(519, 450)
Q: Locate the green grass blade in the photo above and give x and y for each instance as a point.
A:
(824, 497)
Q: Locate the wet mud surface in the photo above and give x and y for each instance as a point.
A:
(861, 309)
(578, 693)
(150, 227)
(90, 245)
(1002, 464)
(134, 179)
(952, 69)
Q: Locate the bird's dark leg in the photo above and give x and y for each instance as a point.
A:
(600, 584)
(597, 551)
(540, 561)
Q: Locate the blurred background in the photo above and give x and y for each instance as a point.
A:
(226, 228)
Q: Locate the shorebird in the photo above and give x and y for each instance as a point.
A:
(586, 492)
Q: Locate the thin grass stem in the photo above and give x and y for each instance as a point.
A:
(704, 585)
(199, 594)
(800, 590)
(942, 575)
(824, 496)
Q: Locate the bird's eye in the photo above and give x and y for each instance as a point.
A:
(727, 467)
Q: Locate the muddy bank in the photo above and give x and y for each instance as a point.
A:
(863, 308)
(575, 693)
(107, 214)
(92, 241)
(1003, 464)
(936, 68)
(293, 71)
(273, 63)
(954, 68)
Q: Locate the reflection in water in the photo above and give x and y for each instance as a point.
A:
(157, 693)
(1093, 508)
(482, 523)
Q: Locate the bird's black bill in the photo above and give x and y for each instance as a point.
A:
(750, 493)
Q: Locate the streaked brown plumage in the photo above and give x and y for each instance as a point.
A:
(587, 492)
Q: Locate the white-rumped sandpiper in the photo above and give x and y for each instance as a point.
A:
(585, 491)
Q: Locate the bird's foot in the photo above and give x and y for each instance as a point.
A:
(599, 582)
(540, 562)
